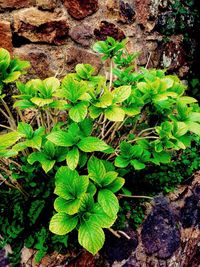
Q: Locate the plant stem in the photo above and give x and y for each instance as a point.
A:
(6, 127)
(9, 113)
(111, 74)
(127, 196)
(114, 232)
(141, 138)
(145, 130)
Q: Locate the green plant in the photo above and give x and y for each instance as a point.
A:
(134, 120)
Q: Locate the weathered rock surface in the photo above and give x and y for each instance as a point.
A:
(82, 34)
(142, 11)
(77, 55)
(15, 4)
(108, 29)
(41, 26)
(44, 62)
(79, 9)
(127, 13)
(46, 4)
(5, 36)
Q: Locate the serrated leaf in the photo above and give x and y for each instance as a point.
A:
(12, 77)
(108, 202)
(104, 101)
(4, 58)
(187, 99)
(73, 158)
(116, 185)
(61, 138)
(94, 112)
(62, 224)
(121, 162)
(100, 218)
(70, 206)
(40, 102)
(96, 169)
(9, 139)
(91, 237)
(91, 144)
(121, 93)
(138, 165)
(78, 112)
(194, 127)
(108, 178)
(25, 129)
(114, 113)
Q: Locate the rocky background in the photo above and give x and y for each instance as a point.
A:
(55, 35)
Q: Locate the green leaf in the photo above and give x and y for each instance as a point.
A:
(138, 165)
(108, 202)
(73, 158)
(12, 77)
(116, 185)
(61, 138)
(96, 169)
(187, 100)
(70, 207)
(84, 71)
(25, 129)
(162, 157)
(46, 163)
(62, 224)
(94, 112)
(9, 139)
(40, 102)
(100, 218)
(4, 59)
(73, 89)
(108, 178)
(194, 127)
(51, 85)
(91, 237)
(104, 101)
(86, 126)
(78, 112)
(121, 93)
(121, 162)
(181, 128)
(91, 144)
(69, 185)
(23, 104)
(114, 113)
(35, 142)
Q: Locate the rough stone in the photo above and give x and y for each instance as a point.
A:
(173, 55)
(142, 11)
(109, 29)
(82, 34)
(127, 13)
(160, 234)
(46, 4)
(15, 4)
(44, 62)
(79, 9)
(76, 55)
(41, 26)
(5, 36)
(118, 249)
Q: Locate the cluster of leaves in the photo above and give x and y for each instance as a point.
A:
(132, 121)
(181, 17)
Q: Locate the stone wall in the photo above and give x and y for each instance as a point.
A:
(55, 35)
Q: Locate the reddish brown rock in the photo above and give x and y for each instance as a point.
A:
(82, 34)
(44, 61)
(173, 55)
(79, 9)
(46, 4)
(41, 26)
(142, 11)
(109, 29)
(127, 13)
(5, 35)
(76, 55)
(15, 4)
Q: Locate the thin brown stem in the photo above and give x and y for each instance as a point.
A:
(127, 196)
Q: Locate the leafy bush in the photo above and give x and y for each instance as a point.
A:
(87, 132)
